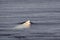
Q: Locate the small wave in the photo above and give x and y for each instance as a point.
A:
(6, 29)
(5, 34)
(20, 36)
(44, 34)
(33, 23)
(45, 23)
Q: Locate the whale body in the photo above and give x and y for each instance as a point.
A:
(23, 26)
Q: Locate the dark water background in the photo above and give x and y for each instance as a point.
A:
(44, 13)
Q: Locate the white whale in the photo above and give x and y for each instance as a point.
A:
(24, 25)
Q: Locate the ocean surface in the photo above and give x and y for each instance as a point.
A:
(44, 14)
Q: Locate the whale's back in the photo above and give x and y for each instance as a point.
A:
(24, 25)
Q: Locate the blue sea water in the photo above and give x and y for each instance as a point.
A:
(44, 14)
